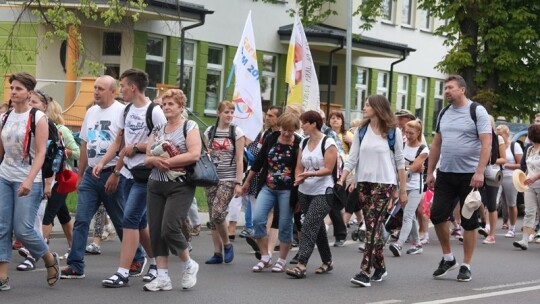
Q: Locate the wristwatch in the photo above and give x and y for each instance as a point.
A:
(116, 172)
(136, 149)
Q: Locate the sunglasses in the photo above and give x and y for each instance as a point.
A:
(43, 97)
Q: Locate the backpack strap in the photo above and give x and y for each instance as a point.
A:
(232, 137)
(420, 149)
(30, 129)
(5, 117)
(362, 133)
(438, 128)
(149, 121)
(126, 111)
(512, 149)
(391, 138)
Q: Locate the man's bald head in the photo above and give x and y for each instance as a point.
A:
(104, 91)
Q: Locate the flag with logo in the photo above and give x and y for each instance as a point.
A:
(247, 90)
(300, 70)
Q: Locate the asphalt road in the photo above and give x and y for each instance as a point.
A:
(501, 274)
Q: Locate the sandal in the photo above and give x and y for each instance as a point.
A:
(296, 272)
(117, 280)
(27, 265)
(262, 265)
(325, 267)
(52, 279)
(279, 266)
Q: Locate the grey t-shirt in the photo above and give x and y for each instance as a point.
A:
(460, 149)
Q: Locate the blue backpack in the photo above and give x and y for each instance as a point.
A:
(391, 136)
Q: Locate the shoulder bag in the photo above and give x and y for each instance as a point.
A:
(202, 173)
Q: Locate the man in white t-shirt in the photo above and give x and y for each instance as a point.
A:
(134, 128)
(464, 147)
(98, 131)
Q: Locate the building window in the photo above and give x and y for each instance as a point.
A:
(324, 80)
(214, 78)
(382, 84)
(426, 23)
(439, 102)
(269, 80)
(387, 10)
(406, 12)
(361, 93)
(402, 92)
(421, 94)
(111, 50)
(188, 72)
(155, 64)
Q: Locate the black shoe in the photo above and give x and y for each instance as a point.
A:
(339, 243)
(294, 260)
(253, 243)
(361, 279)
(444, 267)
(379, 274)
(464, 274)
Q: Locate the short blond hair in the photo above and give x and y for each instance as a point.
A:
(176, 95)
(503, 130)
(296, 109)
(289, 121)
(417, 126)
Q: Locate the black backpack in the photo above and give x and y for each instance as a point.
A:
(494, 138)
(149, 122)
(55, 146)
(424, 173)
(323, 149)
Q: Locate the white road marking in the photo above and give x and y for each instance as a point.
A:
(507, 285)
(386, 302)
(482, 295)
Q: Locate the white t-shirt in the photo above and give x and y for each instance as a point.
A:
(312, 161)
(14, 167)
(136, 131)
(510, 159)
(414, 183)
(99, 129)
(376, 162)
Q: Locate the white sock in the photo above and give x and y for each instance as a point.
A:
(466, 265)
(488, 227)
(266, 258)
(448, 256)
(188, 264)
(282, 261)
(152, 261)
(163, 273)
(512, 227)
(123, 271)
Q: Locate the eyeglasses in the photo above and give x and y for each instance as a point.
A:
(44, 97)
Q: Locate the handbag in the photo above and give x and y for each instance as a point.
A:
(140, 173)
(202, 173)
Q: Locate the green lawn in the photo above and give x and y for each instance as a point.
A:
(71, 200)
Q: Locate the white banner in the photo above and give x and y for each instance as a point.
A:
(247, 90)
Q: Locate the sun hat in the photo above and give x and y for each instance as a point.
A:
(67, 181)
(518, 177)
(472, 202)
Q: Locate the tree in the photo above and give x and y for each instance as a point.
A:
(493, 44)
(57, 17)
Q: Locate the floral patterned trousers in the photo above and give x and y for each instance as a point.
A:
(374, 199)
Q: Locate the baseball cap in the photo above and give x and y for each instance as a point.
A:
(405, 112)
(472, 202)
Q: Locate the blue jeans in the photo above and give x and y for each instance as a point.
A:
(24, 209)
(248, 215)
(266, 200)
(135, 207)
(91, 195)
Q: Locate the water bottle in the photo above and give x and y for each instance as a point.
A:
(57, 162)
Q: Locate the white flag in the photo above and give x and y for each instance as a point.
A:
(247, 90)
(300, 73)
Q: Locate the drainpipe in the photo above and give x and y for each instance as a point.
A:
(182, 45)
(404, 56)
(330, 64)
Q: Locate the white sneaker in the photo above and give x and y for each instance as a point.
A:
(531, 238)
(189, 276)
(109, 232)
(509, 234)
(160, 283)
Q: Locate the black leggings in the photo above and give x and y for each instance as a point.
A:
(56, 206)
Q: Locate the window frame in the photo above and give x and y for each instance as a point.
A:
(438, 102)
(159, 59)
(273, 75)
(189, 63)
(402, 93)
(421, 96)
(410, 17)
(390, 19)
(221, 70)
(383, 90)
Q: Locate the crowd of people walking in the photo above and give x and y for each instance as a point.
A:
(134, 164)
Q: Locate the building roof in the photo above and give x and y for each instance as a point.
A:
(155, 9)
(325, 37)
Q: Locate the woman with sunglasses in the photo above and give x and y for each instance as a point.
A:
(228, 153)
(20, 180)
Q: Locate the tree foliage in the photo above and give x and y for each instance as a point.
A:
(493, 44)
(57, 17)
